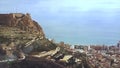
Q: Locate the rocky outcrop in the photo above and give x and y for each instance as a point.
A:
(17, 32)
(22, 21)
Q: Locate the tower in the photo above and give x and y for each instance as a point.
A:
(118, 44)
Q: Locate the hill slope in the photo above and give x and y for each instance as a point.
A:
(26, 34)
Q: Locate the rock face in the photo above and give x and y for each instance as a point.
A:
(22, 21)
(17, 32)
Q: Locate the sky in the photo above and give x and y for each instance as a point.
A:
(72, 21)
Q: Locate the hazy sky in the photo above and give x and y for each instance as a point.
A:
(72, 21)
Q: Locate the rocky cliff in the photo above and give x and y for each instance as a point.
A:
(22, 21)
(26, 34)
(21, 30)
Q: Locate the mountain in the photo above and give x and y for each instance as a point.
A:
(20, 36)
(19, 26)
(20, 33)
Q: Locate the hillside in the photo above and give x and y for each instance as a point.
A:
(20, 33)
(21, 36)
(23, 45)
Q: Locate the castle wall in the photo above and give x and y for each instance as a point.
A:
(6, 19)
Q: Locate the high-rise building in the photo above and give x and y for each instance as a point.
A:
(118, 44)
